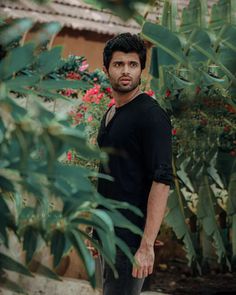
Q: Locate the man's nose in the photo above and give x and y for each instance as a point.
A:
(125, 69)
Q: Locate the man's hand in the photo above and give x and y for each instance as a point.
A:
(144, 258)
(156, 206)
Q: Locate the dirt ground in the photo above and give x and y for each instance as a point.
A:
(179, 282)
(173, 276)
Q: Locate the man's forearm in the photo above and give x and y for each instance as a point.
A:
(156, 207)
(155, 212)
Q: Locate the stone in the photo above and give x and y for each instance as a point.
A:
(153, 293)
(40, 285)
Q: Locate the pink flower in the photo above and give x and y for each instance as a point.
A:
(111, 103)
(93, 95)
(108, 90)
(83, 108)
(168, 93)
(84, 66)
(174, 132)
(73, 76)
(90, 118)
(69, 156)
(79, 115)
(69, 92)
(150, 92)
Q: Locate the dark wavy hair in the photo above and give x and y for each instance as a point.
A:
(125, 42)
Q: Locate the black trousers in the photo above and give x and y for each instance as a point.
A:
(125, 284)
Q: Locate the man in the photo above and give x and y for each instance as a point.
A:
(138, 132)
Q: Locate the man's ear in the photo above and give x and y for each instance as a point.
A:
(105, 70)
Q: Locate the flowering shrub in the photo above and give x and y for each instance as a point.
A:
(90, 110)
(211, 123)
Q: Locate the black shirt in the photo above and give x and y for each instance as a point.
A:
(139, 140)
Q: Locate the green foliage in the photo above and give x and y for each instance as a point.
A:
(193, 68)
(193, 55)
(43, 200)
(124, 9)
(176, 219)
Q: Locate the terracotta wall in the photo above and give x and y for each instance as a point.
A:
(82, 43)
(88, 44)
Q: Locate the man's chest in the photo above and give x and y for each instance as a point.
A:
(121, 131)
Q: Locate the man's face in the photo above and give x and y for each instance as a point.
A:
(124, 71)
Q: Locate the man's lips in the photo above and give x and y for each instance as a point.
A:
(125, 80)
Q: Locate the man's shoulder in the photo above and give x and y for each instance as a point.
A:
(150, 106)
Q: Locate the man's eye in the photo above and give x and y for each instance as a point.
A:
(117, 64)
(133, 64)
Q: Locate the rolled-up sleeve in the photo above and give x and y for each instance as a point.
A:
(156, 145)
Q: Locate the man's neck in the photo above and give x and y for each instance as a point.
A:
(123, 98)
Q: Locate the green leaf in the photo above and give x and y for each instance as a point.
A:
(200, 41)
(17, 112)
(53, 218)
(8, 218)
(77, 139)
(154, 66)
(175, 218)
(74, 176)
(49, 60)
(3, 232)
(49, 94)
(46, 32)
(30, 242)
(231, 202)
(13, 31)
(6, 184)
(16, 60)
(125, 249)
(234, 238)
(185, 179)
(21, 81)
(44, 116)
(178, 83)
(120, 220)
(8, 284)
(125, 10)
(80, 221)
(227, 36)
(226, 57)
(83, 252)
(108, 243)
(206, 214)
(113, 204)
(62, 84)
(222, 13)
(209, 80)
(164, 39)
(107, 253)
(103, 216)
(45, 271)
(194, 15)
(170, 15)
(63, 187)
(215, 176)
(26, 214)
(2, 132)
(58, 242)
(8, 263)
